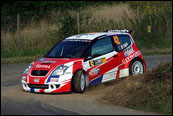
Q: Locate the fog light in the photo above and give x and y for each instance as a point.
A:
(52, 86)
(57, 86)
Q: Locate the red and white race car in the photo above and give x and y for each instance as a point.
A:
(83, 60)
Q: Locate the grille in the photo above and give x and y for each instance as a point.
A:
(39, 72)
(38, 86)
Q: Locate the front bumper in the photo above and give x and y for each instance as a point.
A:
(64, 85)
(47, 88)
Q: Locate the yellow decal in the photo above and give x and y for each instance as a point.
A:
(103, 60)
(116, 39)
(91, 63)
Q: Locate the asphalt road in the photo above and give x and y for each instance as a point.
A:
(14, 101)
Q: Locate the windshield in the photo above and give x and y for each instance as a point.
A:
(68, 49)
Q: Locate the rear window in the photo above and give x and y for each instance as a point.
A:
(124, 42)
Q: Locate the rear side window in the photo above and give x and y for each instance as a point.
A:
(121, 42)
(102, 47)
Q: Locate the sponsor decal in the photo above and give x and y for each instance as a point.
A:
(48, 61)
(128, 51)
(103, 60)
(42, 66)
(124, 45)
(91, 63)
(54, 80)
(97, 62)
(94, 72)
(131, 57)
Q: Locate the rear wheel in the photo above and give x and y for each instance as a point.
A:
(136, 67)
(79, 82)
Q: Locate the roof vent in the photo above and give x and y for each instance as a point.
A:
(119, 31)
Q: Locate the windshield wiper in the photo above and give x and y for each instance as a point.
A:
(63, 57)
(50, 57)
(59, 56)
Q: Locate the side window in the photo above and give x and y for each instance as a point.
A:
(121, 42)
(101, 47)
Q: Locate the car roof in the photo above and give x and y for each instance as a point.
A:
(89, 36)
(92, 36)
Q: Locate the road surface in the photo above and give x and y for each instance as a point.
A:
(14, 101)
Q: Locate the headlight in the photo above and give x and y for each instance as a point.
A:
(27, 69)
(59, 70)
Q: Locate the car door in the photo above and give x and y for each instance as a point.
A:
(100, 61)
(124, 49)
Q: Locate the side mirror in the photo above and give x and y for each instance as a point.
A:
(87, 58)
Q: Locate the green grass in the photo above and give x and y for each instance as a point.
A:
(23, 53)
(157, 51)
(16, 60)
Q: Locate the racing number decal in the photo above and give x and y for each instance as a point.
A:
(116, 39)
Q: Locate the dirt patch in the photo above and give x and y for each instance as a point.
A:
(151, 91)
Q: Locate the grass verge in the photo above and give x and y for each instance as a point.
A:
(15, 60)
(157, 51)
(151, 91)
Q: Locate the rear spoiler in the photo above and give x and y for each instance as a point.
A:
(119, 31)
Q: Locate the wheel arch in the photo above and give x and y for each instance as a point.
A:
(86, 77)
(136, 59)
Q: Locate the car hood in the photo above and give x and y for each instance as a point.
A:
(50, 63)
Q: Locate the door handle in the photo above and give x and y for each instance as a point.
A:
(115, 56)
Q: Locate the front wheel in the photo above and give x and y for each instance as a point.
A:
(79, 82)
(136, 67)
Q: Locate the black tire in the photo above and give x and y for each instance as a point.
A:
(136, 67)
(78, 82)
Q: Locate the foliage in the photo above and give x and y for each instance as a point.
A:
(30, 10)
(161, 26)
(68, 25)
(39, 35)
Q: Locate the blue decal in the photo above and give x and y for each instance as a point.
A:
(32, 90)
(96, 81)
(56, 77)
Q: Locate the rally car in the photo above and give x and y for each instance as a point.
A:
(84, 60)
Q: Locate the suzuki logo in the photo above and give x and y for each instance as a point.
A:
(36, 80)
(42, 66)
